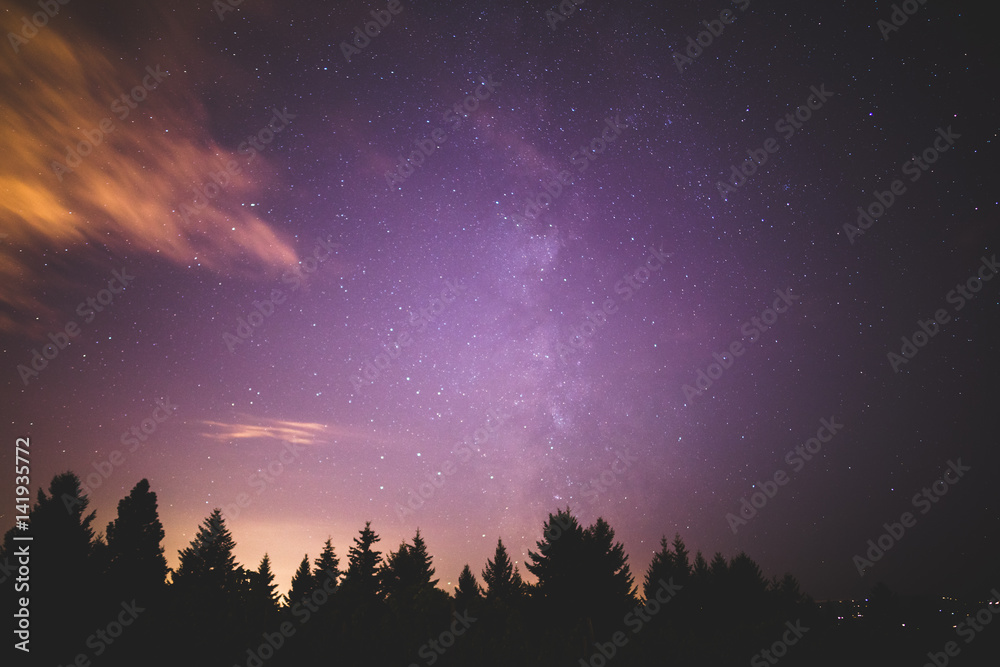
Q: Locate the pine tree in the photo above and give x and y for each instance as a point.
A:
(397, 575)
(135, 552)
(670, 562)
(263, 590)
(327, 566)
(747, 587)
(407, 573)
(422, 563)
(700, 569)
(303, 583)
(499, 576)
(468, 592)
(208, 565)
(65, 592)
(610, 577)
(362, 578)
(661, 567)
(719, 569)
(682, 563)
(556, 564)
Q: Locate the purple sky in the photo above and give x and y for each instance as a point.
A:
(317, 333)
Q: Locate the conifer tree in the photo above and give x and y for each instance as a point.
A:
(303, 583)
(499, 575)
(208, 565)
(362, 578)
(134, 544)
(327, 566)
(422, 563)
(468, 591)
(263, 590)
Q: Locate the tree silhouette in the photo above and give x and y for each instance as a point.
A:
(263, 591)
(500, 576)
(391, 612)
(584, 582)
(65, 591)
(682, 563)
(406, 575)
(422, 562)
(327, 565)
(208, 565)
(661, 567)
(303, 582)
(134, 544)
(612, 578)
(699, 571)
(557, 562)
(468, 593)
(361, 582)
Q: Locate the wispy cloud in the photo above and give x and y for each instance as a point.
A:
(125, 196)
(299, 433)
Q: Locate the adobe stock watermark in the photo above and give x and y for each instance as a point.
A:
(303, 611)
(219, 180)
(426, 146)
(562, 12)
(38, 20)
(787, 126)
(463, 450)
(899, 16)
(797, 459)
(134, 438)
(968, 629)
(597, 486)
(259, 480)
(922, 500)
(927, 329)
(914, 169)
(713, 29)
(581, 159)
(121, 107)
(634, 620)
(295, 277)
(103, 638)
(779, 649)
(88, 310)
(222, 7)
(372, 369)
(381, 19)
(629, 284)
(435, 648)
(752, 330)
(263, 478)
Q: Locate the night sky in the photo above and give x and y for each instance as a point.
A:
(475, 268)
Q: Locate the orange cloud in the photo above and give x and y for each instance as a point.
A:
(299, 433)
(125, 195)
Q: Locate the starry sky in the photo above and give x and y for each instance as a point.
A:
(475, 267)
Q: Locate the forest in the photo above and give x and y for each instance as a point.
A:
(109, 598)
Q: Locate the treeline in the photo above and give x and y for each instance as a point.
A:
(111, 600)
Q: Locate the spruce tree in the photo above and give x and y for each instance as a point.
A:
(499, 575)
(327, 566)
(303, 583)
(468, 592)
(556, 564)
(661, 567)
(134, 544)
(361, 581)
(263, 590)
(208, 565)
(422, 563)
